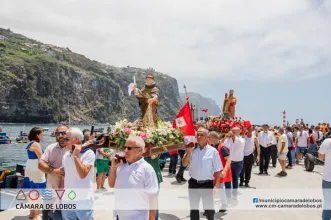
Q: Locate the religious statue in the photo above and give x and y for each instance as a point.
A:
(148, 101)
(229, 104)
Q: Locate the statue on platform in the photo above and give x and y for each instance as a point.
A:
(148, 101)
(229, 105)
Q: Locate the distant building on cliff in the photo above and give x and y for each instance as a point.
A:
(3, 38)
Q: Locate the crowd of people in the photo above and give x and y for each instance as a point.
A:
(220, 164)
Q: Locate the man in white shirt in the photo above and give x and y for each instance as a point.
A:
(236, 144)
(282, 148)
(318, 134)
(325, 154)
(265, 140)
(135, 183)
(205, 164)
(78, 165)
(251, 144)
(301, 142)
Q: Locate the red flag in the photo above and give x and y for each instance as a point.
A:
(184, 121)
(205, 110)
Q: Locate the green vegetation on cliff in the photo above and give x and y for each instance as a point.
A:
(43, 83)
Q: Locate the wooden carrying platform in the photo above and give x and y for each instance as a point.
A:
(149, 148)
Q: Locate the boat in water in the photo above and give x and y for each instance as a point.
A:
(23, 138)
(99, 130)
(4, 139)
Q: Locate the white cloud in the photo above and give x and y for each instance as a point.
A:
(223, 40)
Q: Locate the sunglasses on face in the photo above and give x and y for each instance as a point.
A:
(130, 148)
(67, 139)
(63, 133)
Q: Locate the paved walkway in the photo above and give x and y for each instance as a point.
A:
(297, 178)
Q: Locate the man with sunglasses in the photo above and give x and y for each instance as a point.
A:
(78, 166)
(51, 163)
(135, 174)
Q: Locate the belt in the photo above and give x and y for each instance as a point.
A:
(201, 181)
(236, 161)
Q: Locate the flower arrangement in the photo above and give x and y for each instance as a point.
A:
(222, 125)
(163, 135)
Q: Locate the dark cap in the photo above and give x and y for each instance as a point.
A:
(265, 125)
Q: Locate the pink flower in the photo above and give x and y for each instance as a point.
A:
(143, 135)
(127, 130)
(115, 133)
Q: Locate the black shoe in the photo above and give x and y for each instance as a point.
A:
(247, 185)
(241, 184)
(179, 180)
(223, 208)
(204, 214)
(274, 166)
(266, 173)
(282, 174)
(260, 173)
(183, 179)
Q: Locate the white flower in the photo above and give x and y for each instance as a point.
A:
(163, 132)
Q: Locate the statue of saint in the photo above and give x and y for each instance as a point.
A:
(148, 101)
(229, 105)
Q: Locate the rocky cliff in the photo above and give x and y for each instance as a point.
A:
(202, 103)
(43, 83)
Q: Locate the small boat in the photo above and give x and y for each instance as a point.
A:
(23, 138)
(45, 129)
(99, 130)
(4, 139)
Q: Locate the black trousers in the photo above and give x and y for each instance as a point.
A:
(245, 174)
(50, 215)
(180, 173)
(289, 156)
(173, 163)
(264, 158)
(273, 149)
(206, 194)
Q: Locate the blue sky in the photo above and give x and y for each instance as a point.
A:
(276, 54)
(263, 102)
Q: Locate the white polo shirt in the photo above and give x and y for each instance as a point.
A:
(204, 163)
(249, 145)
(326, 149)
(266, 138)
(72, 179)
(236, 148)
(134, 182)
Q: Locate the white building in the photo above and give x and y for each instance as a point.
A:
(3, 38)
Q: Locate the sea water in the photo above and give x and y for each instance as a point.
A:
(15, 153)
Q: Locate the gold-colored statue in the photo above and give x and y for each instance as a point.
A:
(148, 101)
(229, 105)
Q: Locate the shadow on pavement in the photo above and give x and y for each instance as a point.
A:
(165, 216)
(177, 183)
(20, 217)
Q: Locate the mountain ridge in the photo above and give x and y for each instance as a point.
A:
(202, 102)
(43, 83)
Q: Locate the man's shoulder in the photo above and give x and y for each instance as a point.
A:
(212, 149)
(146, 168)
(327, 142)
(66, 154)
(88, 153)
(52, 146)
